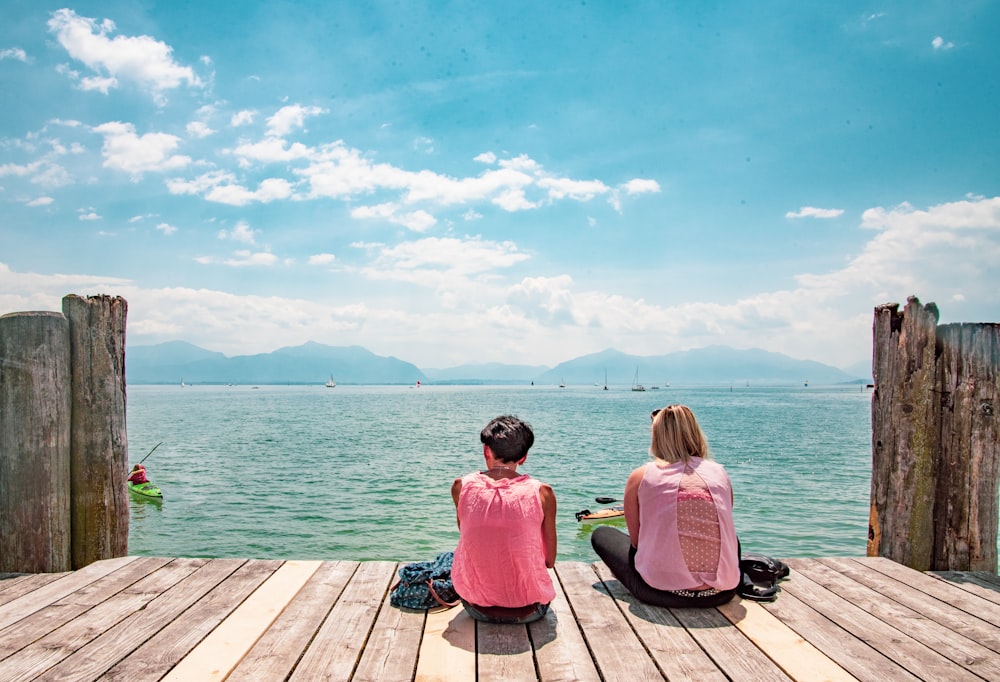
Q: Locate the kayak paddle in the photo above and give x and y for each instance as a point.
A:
(150, 452)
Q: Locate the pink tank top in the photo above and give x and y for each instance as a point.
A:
(687, 538)
(500, 558)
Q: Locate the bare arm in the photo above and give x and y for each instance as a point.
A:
(548, 524)
(632, 504)
(456, 489)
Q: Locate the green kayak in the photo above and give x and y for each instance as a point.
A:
(147, 489)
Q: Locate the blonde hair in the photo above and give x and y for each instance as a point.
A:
(676, 435)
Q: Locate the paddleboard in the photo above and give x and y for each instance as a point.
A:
(606, 514)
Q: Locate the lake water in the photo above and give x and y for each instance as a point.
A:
(364, 472)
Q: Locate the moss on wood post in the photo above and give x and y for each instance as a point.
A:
(905, 429)
(34, 443)
(99, 445)
(969, 468)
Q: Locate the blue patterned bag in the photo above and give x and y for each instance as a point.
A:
(425, 584)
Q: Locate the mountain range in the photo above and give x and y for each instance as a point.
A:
(314, 363)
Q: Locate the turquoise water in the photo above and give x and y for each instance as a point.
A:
(361, 472)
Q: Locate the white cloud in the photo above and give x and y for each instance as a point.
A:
(813, 212)
(242, 118)
(289, 118)
(424, 145)
(471, 215)
(580, 190)
(272, 150)
(140, 59)
(513, 200)
(138, 154)
(940, 43)
(13, 53)
(241, 233)
(40, 201)
(89, 216)
(198, 129)
(267, 191)
(166, 228)
(641, 186)
(321, 259)
(486, 157)
(418, 221)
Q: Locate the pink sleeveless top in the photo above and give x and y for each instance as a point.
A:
(687, 538)
(500, 558)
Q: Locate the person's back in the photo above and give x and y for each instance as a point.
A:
(500, 559)
(507, 532)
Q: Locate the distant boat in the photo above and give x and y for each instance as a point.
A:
(183, 385)
(331, 383)
(605, 380)
(562, 383)
(806, 383)
(636, 386)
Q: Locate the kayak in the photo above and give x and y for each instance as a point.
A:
(606, 514)
(148, 490)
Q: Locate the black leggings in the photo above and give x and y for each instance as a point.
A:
(617, 552)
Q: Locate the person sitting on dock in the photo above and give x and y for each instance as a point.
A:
(681, 549)
(138, 475)
(507, 531)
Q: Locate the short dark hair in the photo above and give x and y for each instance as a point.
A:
(508, 437)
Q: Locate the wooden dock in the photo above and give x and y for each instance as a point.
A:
(138, 618)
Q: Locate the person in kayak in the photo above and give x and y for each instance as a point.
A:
(138, 475)
(681, 549)
(507, 531)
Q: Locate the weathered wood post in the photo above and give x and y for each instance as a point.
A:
(935, 440)
(99, 446)
(34, 443)
(969, 468)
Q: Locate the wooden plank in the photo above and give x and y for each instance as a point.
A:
(799, 659)
(393, 645)
(503, 652)
(561, 653)
(28, 603)
(974, 623)
(981, 600)
(617, 651)
(922, 661)
(334, 651)
(48, 652)
(448, 649)
(18, 635)
(735, 655)
(116, 641)
(219, 653)
(974, 583)
(854, 655)
(971, 655)
(673, 649)
(27, 583)
(163, 650)
(277, 651)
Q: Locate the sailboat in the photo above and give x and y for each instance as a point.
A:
(331, 383)
(605, 380)
(636, 386)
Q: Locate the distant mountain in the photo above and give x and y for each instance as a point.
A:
(311, 363)
(314, 363)
(710, 365)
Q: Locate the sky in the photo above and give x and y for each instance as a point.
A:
(517, 182)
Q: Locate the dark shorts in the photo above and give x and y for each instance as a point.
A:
(506, 616)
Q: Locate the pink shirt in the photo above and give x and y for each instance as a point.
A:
(500, 558)
(687, 538)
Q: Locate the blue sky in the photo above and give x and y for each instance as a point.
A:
(517, 182)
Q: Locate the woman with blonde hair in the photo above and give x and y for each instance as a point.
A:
(681, 549)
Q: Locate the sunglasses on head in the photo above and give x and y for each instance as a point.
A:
(652, 415)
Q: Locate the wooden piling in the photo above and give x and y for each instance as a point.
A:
(99, 446)
(35, 528)
(935, 440)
